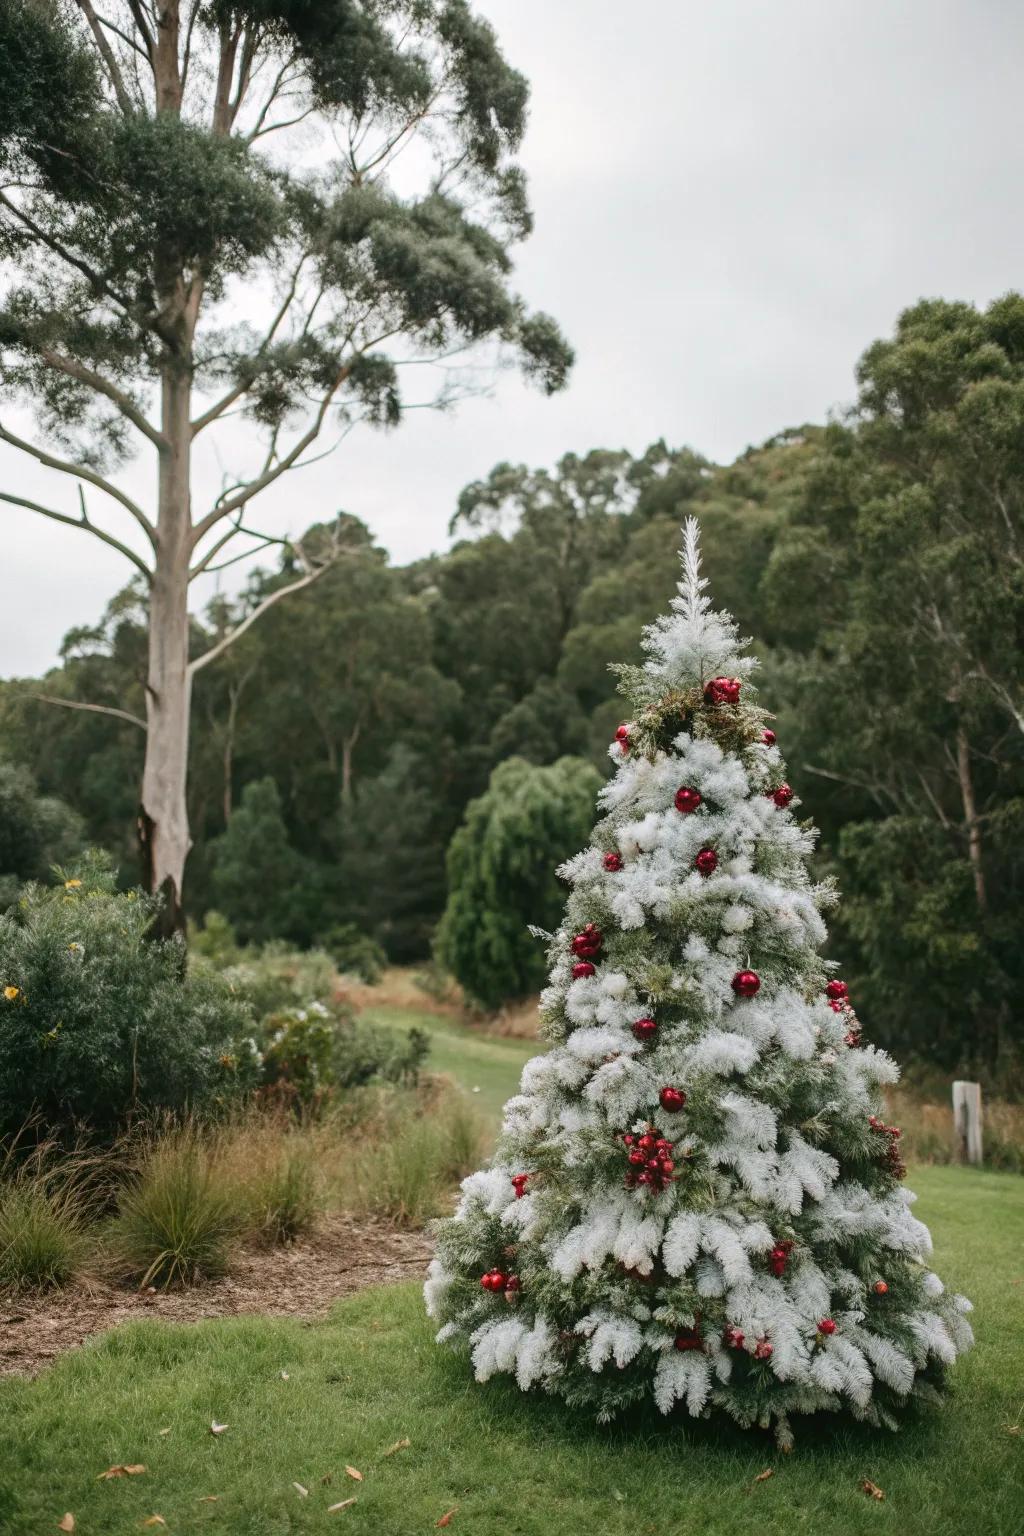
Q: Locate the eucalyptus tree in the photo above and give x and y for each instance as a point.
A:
(172, 171)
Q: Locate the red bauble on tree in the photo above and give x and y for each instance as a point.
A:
(706, 861)
(622, 737)
(826, 1326)
(689, 1339)
(768, 737)
(519, 1182)
(880, 1288)
(494, 1280)
(722, 690)
(687, 799)
(613, 862)
(645, 1029)
(582, 968)
(782, 796)
(836, 990)
(588, 943)
(779, 1257)
(672, 1099)
(746, 983)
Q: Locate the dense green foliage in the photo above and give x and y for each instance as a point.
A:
(36, 832)
(98, 1023)
(501, 874)
(876, 563)
(369, 1377)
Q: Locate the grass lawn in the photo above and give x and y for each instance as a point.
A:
(490, 1063)
(509, 1465)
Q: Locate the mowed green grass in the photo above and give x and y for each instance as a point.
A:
(490, 1064)
(302, 1402)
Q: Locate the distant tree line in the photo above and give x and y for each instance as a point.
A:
(877, 563)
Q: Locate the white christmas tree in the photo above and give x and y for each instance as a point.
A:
(695, 1196)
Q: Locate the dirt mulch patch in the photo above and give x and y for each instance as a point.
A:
(303, 1280)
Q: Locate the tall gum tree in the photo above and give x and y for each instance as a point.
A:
(168, 169)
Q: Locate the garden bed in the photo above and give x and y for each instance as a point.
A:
(302, 1280)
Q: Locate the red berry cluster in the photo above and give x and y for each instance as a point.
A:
(768, 737)
(892, 1156)
(582, 968)
(622, 737)
(763, 1350)
(782, 796)
(722, 690)
(588, 943)
(650, 1160)
(836, 991)
(779, 1258)
(826, 1326)
(613, 862)
(519, 1182)
(496, 1280)
(688, 799)
(689, 1338)
(733, 1337)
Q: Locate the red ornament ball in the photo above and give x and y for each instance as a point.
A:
(826, 1326)
(588, 943)
(582, 968)
(706, 861)
(519, 1182)
(672, 1099)
(722, 690)
(645, 1029)
(494, 1280)
(746, 983)
(622, 737)
(613, 862)
(768, 737)
(836, 990)
(880, 1288)
(782, 796)
(688, 799)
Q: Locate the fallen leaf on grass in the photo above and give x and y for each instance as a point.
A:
(209, 1498)
(122, 1471)
(872, 1489)
(332, 1509)
(68, 1522)
(1012, 1429)
(166, 1431)
(762, 1477)
(285, 1376)
(301, 1490)
(218, 1429)
(447, 1518)
(399, 1445)
(155, 1520)
(355, 1474)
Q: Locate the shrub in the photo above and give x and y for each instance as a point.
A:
(501, 874)
(98, 1022)
(354, 953)
(283, 1188)
(313, 1050)
(177, 1218)
(279, 979)
(35, 832)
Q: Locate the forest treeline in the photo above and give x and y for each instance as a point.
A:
(877, 564)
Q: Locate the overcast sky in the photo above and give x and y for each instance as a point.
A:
(732, 200)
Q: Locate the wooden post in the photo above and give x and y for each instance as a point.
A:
(967, 1120)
